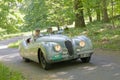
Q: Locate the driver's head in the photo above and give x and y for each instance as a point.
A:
(37, 32)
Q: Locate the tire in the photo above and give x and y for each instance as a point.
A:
(44, 64)
(86, 59)
(26, 60)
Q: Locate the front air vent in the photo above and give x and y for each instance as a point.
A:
(69, 46)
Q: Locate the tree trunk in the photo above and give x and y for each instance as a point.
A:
(112, 3)
(89, 15)
(104, 11)
(79, 15)
(98, 15)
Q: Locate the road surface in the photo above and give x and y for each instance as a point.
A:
(104, 65)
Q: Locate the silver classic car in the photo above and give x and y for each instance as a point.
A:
(52, 48)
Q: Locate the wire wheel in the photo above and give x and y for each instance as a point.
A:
(44, 64)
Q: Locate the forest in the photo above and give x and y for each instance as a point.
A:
(24, 15)
(97, 19)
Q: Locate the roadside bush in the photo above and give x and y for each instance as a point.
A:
(8, 74)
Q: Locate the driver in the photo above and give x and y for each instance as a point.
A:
(36, 34)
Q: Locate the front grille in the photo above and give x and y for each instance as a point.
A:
(69, 46)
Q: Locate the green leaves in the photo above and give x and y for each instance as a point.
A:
(46, 13)
(35, 14)
(10, 18)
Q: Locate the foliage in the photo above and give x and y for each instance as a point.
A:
(47, 13)
(10, 18)
(60, 12)
(35, 14)
(8, 74)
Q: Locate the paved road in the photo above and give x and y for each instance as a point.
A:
(104, 65)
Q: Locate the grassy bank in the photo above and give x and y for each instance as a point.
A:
(6, 36)
(102, 35)
(14, 44)
(8, 74)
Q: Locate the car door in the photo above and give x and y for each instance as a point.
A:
(32, 50)
(26, 44)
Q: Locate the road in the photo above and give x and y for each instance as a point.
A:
(104, 65)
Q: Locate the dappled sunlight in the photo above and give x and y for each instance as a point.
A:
(3, 46)
(101, 30)
(53, 79)
(62, 73)
(8, 57)
(117, 74)
(90, 68)
(57, 76)
(104, 40)
(53, 76)
(115, 36)
(107, 65)
(84, 33)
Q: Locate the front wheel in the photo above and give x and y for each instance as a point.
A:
(44, 64)
(86, 59)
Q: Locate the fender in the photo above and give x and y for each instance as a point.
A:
(47, 49)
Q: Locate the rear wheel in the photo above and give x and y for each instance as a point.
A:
(44, 64)
(86, 59)
(26, 60)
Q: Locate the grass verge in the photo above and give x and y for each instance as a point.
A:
(2, 37)
(8, 74)
(103, 35)
(14, 44)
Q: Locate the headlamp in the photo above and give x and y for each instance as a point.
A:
(82, 43)
(57, 48)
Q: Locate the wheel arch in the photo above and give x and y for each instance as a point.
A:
(45, 50)
(39, 52)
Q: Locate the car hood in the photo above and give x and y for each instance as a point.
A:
(53, 38)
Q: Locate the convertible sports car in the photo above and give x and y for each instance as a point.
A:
(54, 48)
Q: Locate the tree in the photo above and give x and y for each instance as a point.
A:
(56, 12)
(79, 15)
(89, 14)
(35, 14)
(98, 9)
(9, 16)
(88, 7)
(104, 11)
(47, 13)
(60, 12)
